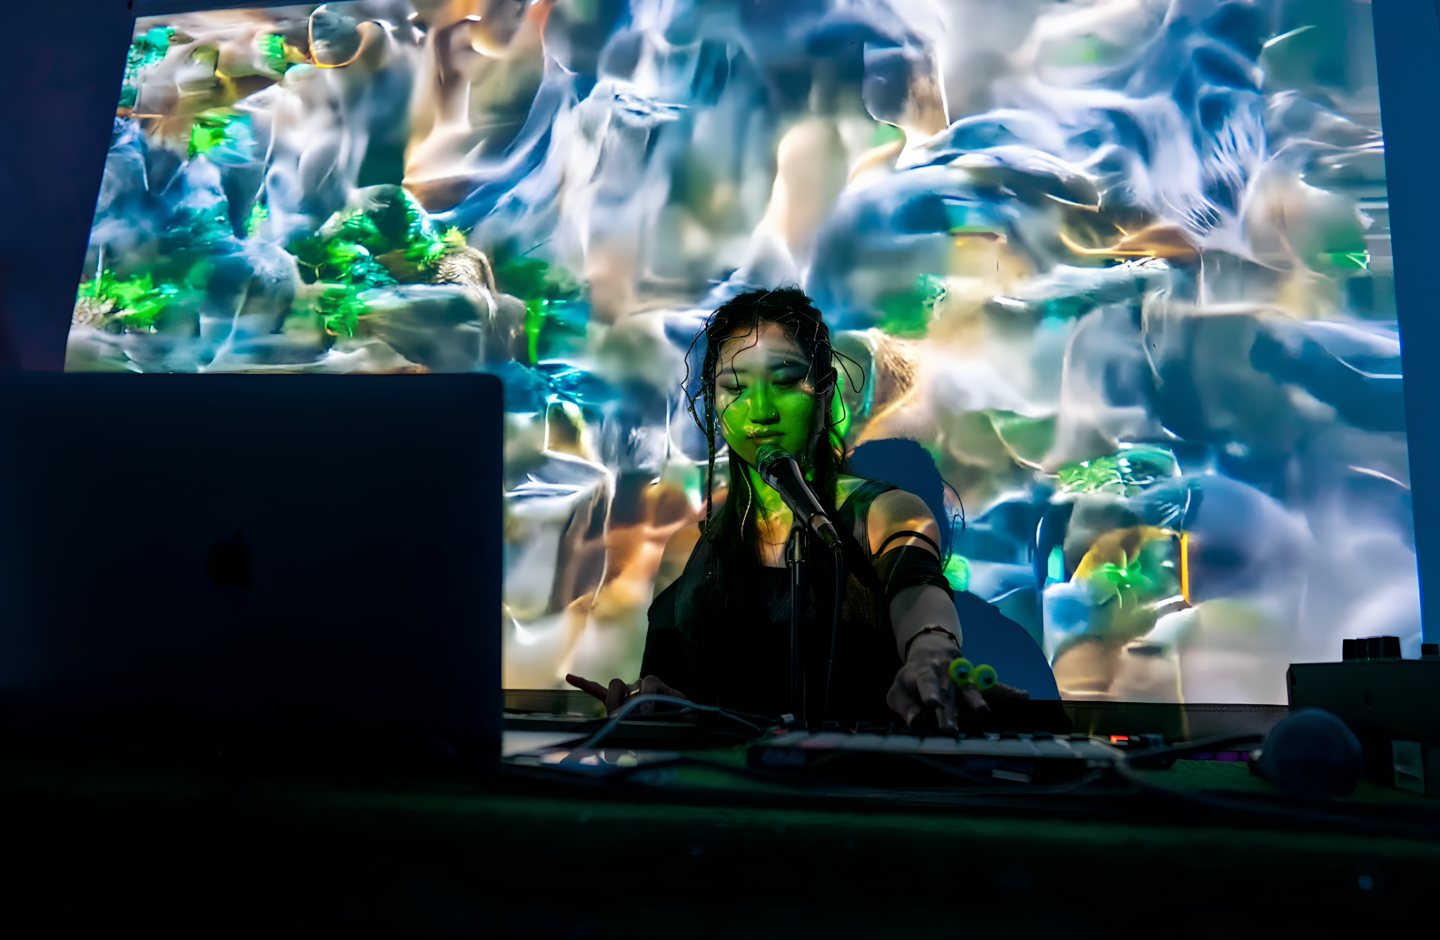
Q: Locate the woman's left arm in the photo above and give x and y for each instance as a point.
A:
(922, 612)
(920, 598)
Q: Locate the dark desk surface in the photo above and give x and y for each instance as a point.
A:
(169, 849)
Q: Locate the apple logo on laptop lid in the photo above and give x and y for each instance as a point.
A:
(228, 563)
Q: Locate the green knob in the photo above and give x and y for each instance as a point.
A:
(964, 673)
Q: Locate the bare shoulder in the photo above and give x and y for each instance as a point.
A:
(844, 486)
(899, 511)
(677, 553)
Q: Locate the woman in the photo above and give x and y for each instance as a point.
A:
(720, 621)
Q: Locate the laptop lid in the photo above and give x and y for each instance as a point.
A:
(216, 555)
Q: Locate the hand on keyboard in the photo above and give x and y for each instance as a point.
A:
(924, 695)
(922, 688)
(615, 694)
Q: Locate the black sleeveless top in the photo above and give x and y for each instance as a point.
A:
(721, 632)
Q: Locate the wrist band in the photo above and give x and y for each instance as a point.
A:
(911, 641)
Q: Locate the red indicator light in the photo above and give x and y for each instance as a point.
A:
(1119, 738)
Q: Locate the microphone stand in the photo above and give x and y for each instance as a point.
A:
(797, 558)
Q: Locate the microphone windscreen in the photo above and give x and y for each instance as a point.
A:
(767, 455)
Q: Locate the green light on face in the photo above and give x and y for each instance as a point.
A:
(764, 391)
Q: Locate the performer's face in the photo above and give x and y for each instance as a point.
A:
(763, 391)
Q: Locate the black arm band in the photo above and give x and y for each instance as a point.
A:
(908, 533)
(909, 566)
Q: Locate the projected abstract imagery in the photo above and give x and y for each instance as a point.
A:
(1121, 269)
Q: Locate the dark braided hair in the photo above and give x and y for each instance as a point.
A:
(823, 459)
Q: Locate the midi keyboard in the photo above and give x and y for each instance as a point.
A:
(936, 759)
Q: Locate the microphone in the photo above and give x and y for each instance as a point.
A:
(780, 470)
